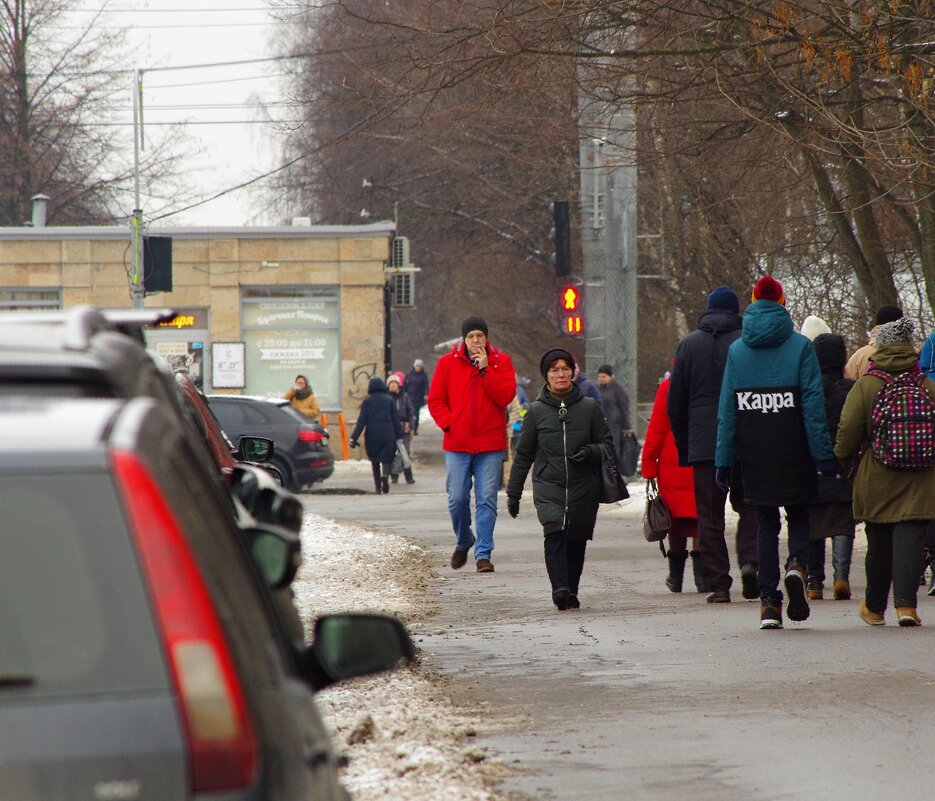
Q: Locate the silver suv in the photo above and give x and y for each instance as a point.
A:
(143, 654)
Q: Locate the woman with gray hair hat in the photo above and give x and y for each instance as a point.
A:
(894, 488)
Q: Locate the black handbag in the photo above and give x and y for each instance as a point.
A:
(613, 487)
(657, 519)
(630, 454)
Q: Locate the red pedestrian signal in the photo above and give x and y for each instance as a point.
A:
(571, 310)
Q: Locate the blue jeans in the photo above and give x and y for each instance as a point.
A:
(483, 469)
(767, 546)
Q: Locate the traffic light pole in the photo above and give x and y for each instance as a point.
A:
(608, 239)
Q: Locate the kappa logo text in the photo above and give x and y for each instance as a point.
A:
(764, 401)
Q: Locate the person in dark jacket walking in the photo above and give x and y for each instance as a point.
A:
(379, 419)
(563, 433)
(831, 517)
(406, 418)
(616, 407)
(771, 418)
(694, 389)
(416, 385)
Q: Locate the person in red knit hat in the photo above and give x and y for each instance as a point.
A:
(768, 288)
(660, 461)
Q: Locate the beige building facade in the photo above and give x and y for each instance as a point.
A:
(256, 306)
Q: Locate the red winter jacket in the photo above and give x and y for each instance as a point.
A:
(469, 407)
(660, 460)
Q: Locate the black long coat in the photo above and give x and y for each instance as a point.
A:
(379, 417)
(566, 493)
(695, 385)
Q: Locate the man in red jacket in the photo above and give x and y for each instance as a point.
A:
(471, 388)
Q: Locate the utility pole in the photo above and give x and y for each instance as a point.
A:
(608, 238)
(137, 288)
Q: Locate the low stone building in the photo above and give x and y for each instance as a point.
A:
(255, 306)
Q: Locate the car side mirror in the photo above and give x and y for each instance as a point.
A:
(351, 644)
(276, 551)
(255, 449)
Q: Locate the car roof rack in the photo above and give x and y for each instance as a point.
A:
(83, 321)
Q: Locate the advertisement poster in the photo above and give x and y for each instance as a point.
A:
(188, 356)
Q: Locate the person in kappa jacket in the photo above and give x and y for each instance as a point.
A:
(472, 386)
(563, 434)
(771, 418)
(694, 389)
(379, 419)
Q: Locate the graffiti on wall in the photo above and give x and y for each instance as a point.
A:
(360, 378)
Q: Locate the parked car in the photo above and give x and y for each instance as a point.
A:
(143, 655)
(301, 450)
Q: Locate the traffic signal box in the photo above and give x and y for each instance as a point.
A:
(570, 301)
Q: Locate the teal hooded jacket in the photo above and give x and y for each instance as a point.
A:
(771, 411)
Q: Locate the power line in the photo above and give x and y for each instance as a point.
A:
(343, 135)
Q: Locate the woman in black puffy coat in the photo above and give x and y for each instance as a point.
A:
(379, 419)
(831, 516)
(563, 434)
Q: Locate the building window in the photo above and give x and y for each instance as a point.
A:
(15, 299)
(289, 332)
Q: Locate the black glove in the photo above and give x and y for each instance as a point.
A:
(353, 443)
(586, 453)
(722, 478)
(829, 468)
(512, 506)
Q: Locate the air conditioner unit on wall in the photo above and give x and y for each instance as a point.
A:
(399, 254)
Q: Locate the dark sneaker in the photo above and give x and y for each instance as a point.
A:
(573, 602)
(562, 598)
(459, 557)
(815, 591)
(770, 615)
(748, 581)
(719, 597)
(385, 484)
(484, 566)
(797, 609)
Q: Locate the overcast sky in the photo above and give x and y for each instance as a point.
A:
(175, 42)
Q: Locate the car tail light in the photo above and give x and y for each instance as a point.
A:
(318, 463)
(310, 436)
(223, 745)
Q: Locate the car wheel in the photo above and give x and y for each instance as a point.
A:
(285, 473)
(275, 472)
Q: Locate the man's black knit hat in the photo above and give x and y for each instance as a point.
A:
(473, 323)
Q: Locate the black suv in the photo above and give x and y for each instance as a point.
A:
(145, 656)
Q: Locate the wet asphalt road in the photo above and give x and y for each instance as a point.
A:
(646, 694)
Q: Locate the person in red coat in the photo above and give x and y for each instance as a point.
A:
(660, 460)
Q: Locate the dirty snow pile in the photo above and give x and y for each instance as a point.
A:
(403, 734)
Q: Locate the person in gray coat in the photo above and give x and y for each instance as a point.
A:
(616, 407)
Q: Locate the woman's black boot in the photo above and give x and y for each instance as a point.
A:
(676, 570)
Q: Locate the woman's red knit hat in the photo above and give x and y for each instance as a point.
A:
(768, 288)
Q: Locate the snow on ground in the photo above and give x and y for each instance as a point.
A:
(404, 736)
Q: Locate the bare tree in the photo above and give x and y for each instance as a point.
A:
(58, 126)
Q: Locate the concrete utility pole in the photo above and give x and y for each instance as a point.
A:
(137, 289)
(608, 240)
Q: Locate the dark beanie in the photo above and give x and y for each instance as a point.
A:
(473, 323)
(888, 314)
(724, 298)
(606, 369)
(553, 355)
